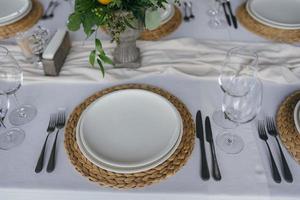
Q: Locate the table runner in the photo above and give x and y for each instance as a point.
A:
(277, 62)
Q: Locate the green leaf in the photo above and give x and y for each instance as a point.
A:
(152, 19)
(129, 24)
(101, 66)
(106, 59)
(98, 45)
(92, 57)
(74, 21)
(88, 23)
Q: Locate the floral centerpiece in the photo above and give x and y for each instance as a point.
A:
(115, 16)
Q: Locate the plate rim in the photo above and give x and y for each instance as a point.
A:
(268, 22)
(126, 170)
(167, 149)
(297, 117)
(18, 17)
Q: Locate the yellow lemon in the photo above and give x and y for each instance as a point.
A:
(104, 2)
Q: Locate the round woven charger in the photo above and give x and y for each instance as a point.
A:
(23, 24)
(165, 29)
(133, 180)
(275, 34)
(286, 126)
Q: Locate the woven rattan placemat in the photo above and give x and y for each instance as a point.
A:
(133, 180)
(275, 34)
(286, 126)
(23, 24)
(165, 29)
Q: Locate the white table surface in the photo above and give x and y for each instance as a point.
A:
(245, 176)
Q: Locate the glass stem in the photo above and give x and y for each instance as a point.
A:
(20, 110)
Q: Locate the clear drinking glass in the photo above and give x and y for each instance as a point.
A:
(11, 78)
(33, 43)
(238, 81)
(239, 110)
(237, 76)
(214, 12)
(12, 137)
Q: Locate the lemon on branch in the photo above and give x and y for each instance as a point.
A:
(104, 2)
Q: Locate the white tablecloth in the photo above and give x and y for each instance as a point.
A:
(186, 67)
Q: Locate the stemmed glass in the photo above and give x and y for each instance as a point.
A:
(239, 83)
(239, 110)
(12, 137)
(214, 12)
(11, 78)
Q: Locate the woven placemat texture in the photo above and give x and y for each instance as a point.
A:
(286, 126)
(23, 24)
(275, 34)
(165, 29)
(133, 180)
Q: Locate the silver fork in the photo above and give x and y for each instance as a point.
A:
(50, 129)
(263, 135)
(271, 128)
(60, 123)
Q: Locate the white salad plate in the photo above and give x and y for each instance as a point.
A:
(129, 131)
(297, 116)
(167, 13)
(275, 13)
(13, 10)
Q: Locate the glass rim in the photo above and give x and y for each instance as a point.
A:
(3, 51)
(241, 50)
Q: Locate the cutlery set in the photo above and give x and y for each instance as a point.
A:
(270, 127)
(57, 121)
(229, 15)
(188, 11)
(216, 174)
(49, 12)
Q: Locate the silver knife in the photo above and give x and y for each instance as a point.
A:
(209, 138)
(200, 136)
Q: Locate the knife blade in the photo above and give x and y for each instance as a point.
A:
(209, 138)
(233, 18)
(200, 135)
(226, 14)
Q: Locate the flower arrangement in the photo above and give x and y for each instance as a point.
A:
(92, 14)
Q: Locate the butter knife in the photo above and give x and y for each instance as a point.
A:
(200, 136)
(209, 138)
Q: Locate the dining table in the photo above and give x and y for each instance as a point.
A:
(187, 64)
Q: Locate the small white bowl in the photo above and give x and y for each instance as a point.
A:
(297, 116)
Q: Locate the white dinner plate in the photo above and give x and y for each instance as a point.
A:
(167, 13)
(275, 13)
(108, 167)
(13, 10)
(297, 116)
(130, 128)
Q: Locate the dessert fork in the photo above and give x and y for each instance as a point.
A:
(271, 128)
(60, 123)
(50, 129)
(263, 135)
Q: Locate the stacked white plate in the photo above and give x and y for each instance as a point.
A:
(297, 116)
(167, 13)
(282, 14)
(129, 131)
(13, 10)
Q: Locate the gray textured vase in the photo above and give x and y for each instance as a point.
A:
(127, 54)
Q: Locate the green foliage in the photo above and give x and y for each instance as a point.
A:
(90, 14)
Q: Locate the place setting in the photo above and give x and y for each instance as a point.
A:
(173, 98)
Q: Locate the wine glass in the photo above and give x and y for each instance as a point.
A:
(12, 137)
(11, 78)
(214, 12)
(239, 110)
(237, 77)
